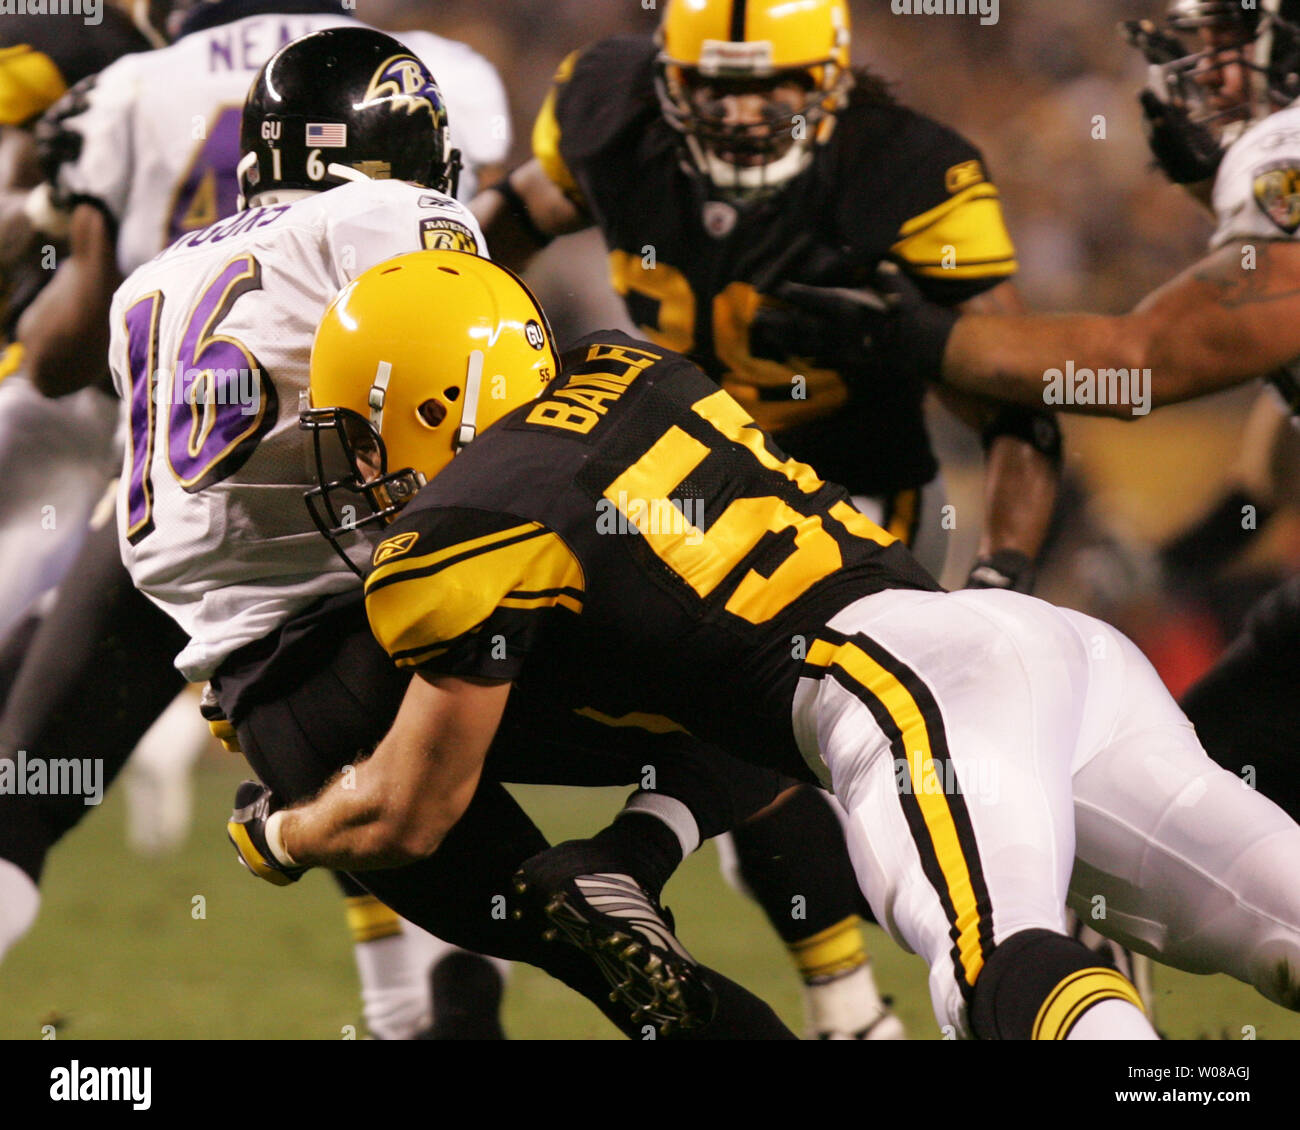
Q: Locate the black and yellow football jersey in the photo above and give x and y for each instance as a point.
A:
(40, 58)
(694, 272)
(631, 546)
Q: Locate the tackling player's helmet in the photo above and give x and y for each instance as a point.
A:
(341, 105)
(1189, 57)
(411, 362)
(793, 57)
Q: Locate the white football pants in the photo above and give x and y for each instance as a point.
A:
(998, 755)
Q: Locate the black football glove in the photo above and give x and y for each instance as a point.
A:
(1004, 569)
(254, 806)
(1186, 151)
(892, 319)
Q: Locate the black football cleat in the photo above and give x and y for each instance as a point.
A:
(609, 916)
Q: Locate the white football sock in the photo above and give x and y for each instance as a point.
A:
(840, 1008)
(1113, 1020)
(394, 988)
(159, 777)
(19, 901)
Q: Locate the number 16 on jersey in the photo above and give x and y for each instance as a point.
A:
(216, 399)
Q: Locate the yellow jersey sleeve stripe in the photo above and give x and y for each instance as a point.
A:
(964, 237)
(416, 613)
(940, 824)
(547, 134)
(386, 574)
(1075, 995)
(30, 83)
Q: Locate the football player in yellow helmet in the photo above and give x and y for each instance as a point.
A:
(749, 181)
(429, 396)
(753, 87)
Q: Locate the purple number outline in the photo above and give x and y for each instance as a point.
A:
(199, 343)
(141, 321)
(229, 429)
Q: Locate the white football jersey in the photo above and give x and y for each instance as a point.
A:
(1257, 190)
(1257, 193)
(210, 348)
(160, 129)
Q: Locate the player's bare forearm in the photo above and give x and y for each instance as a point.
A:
(514, 239)
(1020, 482)
(398, 805)
(1233, 317)
(65, 331)
(1019, 496)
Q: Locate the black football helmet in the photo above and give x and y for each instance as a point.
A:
(341, 105)
(1199, 37)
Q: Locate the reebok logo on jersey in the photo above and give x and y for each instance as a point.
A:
(394, 547)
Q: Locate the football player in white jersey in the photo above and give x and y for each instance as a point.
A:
(123, 160)
(54, 456)
(1224, 121)
(346, 163)
(148, 151)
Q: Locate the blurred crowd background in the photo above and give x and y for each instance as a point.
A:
(1049, 95)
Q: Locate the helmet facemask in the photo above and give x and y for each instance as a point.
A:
(355, 491)
(1190, 59)
(786, 114)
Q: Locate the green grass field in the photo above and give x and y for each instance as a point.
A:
(121, 950)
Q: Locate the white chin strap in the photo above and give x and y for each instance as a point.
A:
(345, 172)
(378, 394)
(473, 389)
(286, 195)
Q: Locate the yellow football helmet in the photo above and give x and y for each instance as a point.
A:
(411, 362)
(713, 49)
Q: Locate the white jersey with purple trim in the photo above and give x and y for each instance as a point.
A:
(160, 130)
(210, 348)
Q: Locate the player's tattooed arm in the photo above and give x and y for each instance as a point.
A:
(523, 213)
(65, 331)
(1233, 317)
(398, 805)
